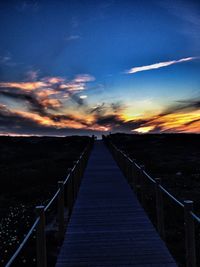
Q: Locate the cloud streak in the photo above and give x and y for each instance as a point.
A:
(159, 65)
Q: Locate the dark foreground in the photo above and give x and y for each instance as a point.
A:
(30, 168)
(175, 159)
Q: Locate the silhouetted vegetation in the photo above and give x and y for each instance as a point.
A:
(30, 168)
(175, 159)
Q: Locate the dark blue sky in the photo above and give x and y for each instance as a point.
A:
(104, 40)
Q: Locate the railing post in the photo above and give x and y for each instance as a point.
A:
(118, 157)
(142, 184)
(160, 209)
(69, 193)
(133, 178)
(189, 234)
(127, 168)
(85, 159)
(73, 186)
(81, 167)
(79, 173)
(75, 180)
(123, 164)
(121, 161)
(41, 238)
(61, 211)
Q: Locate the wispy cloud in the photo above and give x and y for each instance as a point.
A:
(188, 14)
(6, 60)
(28, 5)
(159, 65)
(185, 10)
(32, 75)
(72, 37)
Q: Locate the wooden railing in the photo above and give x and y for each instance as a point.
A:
(65, 197)
(137, 177)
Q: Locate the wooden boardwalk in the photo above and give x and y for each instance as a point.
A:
(108, 227)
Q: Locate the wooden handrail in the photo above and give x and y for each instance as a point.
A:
(39, 224)
(187, 205)
(23, 243)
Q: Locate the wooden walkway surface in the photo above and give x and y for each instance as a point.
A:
(108, 227)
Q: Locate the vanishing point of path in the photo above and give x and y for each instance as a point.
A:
(108, 227)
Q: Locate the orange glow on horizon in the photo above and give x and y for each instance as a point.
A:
(177, 121)
(144, 129)
(56, 102)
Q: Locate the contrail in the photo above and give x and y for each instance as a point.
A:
(159, 65)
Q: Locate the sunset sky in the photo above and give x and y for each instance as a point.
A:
(84, 67)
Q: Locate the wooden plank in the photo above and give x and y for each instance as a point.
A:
(108, 227)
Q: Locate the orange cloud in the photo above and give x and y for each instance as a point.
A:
(76, 84)
(46, 93)
(45, 105)
(54, 80)
(51, 103)
(59, 121)
(193, 128)
(175, 122)
(27, 86)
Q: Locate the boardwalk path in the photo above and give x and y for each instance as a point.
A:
(108, 227)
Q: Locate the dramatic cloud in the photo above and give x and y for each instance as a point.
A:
(17, 121)
(98, 109)
(48, 92)
(27, 86)
(42, 104)
(57, 105)
(34, 104)
(78, 83)
(159, 65)
(25, 123)
(183, 116)
(46, 97)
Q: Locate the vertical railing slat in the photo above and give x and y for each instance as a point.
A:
(142, 185)
(160, 209)
(61, 211)
(41, 238)
(189, 234)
